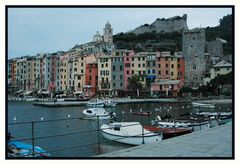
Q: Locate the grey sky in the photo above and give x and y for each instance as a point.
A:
(47, 30)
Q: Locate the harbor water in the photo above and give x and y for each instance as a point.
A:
(75, 136)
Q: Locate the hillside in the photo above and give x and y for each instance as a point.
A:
(152, 41)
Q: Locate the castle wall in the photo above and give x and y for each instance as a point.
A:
(164, 25)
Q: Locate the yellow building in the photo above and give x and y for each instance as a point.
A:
(138, 67)
(104, 74)
(220, 68)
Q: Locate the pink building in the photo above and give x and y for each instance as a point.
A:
(127, 67)
(166, 88)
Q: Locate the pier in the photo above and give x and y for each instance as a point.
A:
(215, 142)
(84, 103)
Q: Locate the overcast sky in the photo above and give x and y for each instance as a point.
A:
(47, 30)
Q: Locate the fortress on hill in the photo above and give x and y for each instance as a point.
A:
(163, 25)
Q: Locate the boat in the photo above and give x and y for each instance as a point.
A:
(19, 149)
(109, 103)
(217, 118)
(194, 125)
(203, 105)
(141, 113)
(131, 133)
(96, 103)
(102, 103)
(168, 132)
(101, 113)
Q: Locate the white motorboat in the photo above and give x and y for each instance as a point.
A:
(101, 113)
(109, 103)
(96, 103)
(129, 133)
(102, 103)
(203, 105)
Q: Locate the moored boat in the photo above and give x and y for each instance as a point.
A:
(129, 133)
(203, 105)
(100, 113)
(19, 149)
(168, 132)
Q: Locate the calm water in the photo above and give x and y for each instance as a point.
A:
(75, 145)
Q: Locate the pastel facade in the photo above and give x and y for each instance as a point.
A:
(104, 74)
(138, 65)
(127, 58)
(91, 77)
(117, 71)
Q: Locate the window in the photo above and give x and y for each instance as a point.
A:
(139, 59)
(90, 78)
(127, 71)
(148, 63)
(75, 69)
(127, 59)
(166, 72)
(159, 65)
(79, 77)
(171, 73)
(114, 84)
(132, 64)
(132, 58)
(149, 71)
(194, 67)
(159, 72)
(79, 85)
(113, 67)
(179, 65)
(121, 68)
(127, 65)
(102, 65)
(81, 70)
(121, 77)
(139, 72)
(172, 65)
(153, 71)
(132, 71)
(121, 84)
(143, 58)
(114, 77)
(139, 65)
(106, 64)
(166, 65)
(143, 65)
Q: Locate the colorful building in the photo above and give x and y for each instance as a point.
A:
(104, 74)
(91, 78)
(117, 71)
(138, 67)
(127, 58)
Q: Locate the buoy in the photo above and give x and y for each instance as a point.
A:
(69, 116)
(42, 118)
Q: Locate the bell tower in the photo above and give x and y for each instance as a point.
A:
(108, 33)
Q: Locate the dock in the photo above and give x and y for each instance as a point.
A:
(84, 103)
(212, 143)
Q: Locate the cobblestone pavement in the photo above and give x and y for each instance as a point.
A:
(211, 143)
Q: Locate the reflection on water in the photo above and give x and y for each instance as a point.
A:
(84, 144)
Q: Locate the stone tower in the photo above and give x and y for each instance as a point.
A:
(193, 49)
(108, 33)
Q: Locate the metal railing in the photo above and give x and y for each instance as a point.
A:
(99, 141)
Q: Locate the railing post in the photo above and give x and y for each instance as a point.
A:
(143, 142)
(33, 142)
(98, 130)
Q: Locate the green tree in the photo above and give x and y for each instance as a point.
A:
(134, 84)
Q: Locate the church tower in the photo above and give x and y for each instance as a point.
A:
(108, 33)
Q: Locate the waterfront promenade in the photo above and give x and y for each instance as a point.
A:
(215, 142)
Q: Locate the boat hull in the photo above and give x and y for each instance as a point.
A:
(133, 140)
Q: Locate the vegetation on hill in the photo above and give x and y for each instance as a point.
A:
(224, 31)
